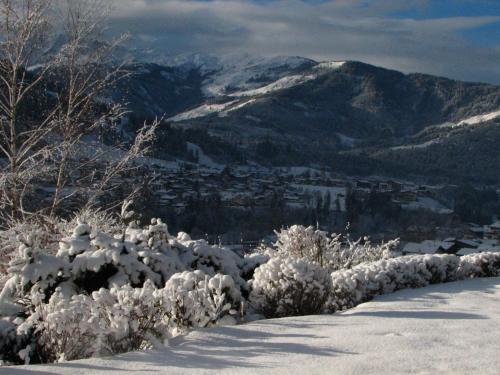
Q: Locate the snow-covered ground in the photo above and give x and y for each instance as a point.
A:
(201, 111)
(203, 159)
(417, 146)
(281, 84)
(337, 195)
(244, 71)
(221, 82)
(429, 204)
(330, 65)
(474, 120)
(480, 118)
(442, 329)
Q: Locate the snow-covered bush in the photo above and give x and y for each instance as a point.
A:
(480, 265)
(367, 280)
(202, 301)
(47, 232)
(99, 260)
(115, 267)
(44, 234)
(89, 259)
(133, 317)
(251, 262)
(199, 255)
(289, 287)
(10, 342)
(334, 251)
(300, 256)
(123, 319)
(109, 321)
(30, 269)
(303, 242)
(65, 328)
(351, 253)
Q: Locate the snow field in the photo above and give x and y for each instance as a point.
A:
(441, 329)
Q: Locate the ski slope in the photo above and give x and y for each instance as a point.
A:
(480, 118)
(442, 329)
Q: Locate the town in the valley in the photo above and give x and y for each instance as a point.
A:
(251, 199)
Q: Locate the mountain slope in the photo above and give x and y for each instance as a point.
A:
(360, 100)
(184, 82)
(353, 116)
(464, 153)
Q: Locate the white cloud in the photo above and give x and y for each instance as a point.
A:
(342, 29)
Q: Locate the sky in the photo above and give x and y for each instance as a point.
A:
(453, 38)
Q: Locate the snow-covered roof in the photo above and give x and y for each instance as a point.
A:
(495, 225)
(425, 247)
(426, 203)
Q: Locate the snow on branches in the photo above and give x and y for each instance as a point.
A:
(122, 319)
(110, 289)
(330, 251)
(116, 283)
(365, 281)
(288, 287)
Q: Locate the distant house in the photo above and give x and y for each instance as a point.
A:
(385, 187)
(362, 184)
(476, 231)
(424, 247)
(396, 186)
(453, 246)
(494, 232)
(406, 196)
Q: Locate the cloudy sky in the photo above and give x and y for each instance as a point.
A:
(454, 38)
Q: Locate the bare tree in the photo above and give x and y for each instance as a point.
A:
(24, 26)
(60, 145)
(85, 71)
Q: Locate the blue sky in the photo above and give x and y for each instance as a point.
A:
(488, 35)
(455, 38)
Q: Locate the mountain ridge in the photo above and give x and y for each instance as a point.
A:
(317, 111)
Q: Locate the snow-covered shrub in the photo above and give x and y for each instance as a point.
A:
(99, 260)
(92, 267)
(46, 232)
(365, 281)
(122, 319)
(65, 328)
(109, 321)
(303, 242)
(289, 287)
(480, 265)
(344, 256)
(45, 236)
(202, 301)
(105, 221)
(154, 247)
(251, 262)
(199, 255)
(132, 318)
(31, 269)
(330, 251)
(10, 342)
(89, 259)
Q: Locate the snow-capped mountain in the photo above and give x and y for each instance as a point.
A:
(357, 117)
(225, 74)
(172, 85)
